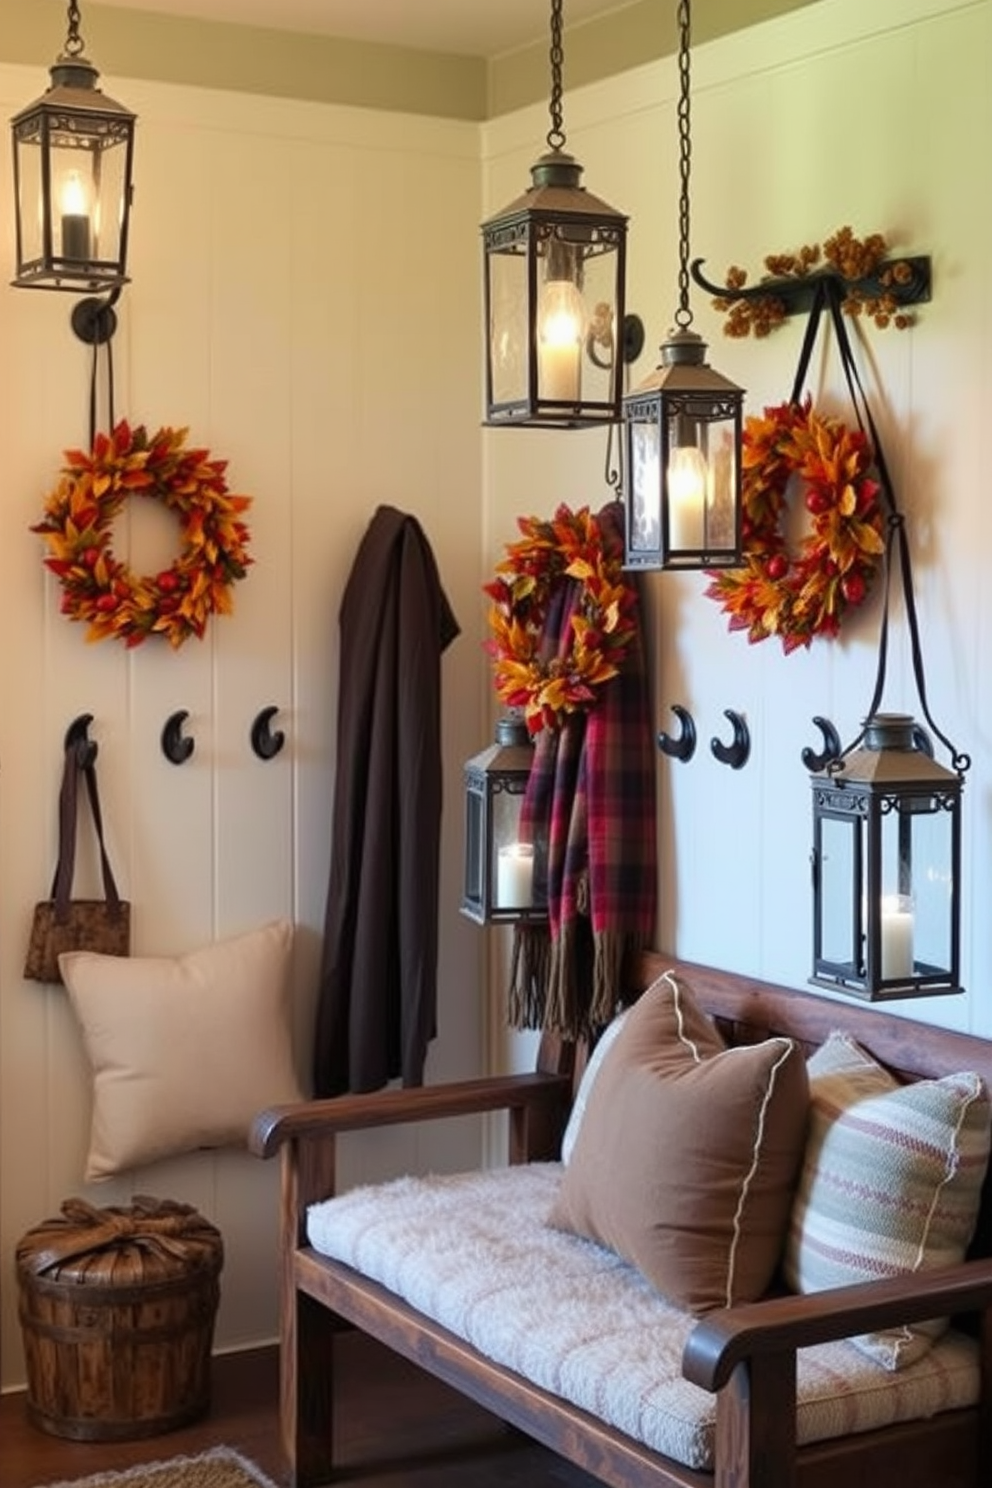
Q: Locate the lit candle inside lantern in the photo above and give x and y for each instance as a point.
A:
(560, 341)
(515, 876)
(686, 496)
(75, 217)
(897, 937)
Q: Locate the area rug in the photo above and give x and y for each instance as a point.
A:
(219, 1468)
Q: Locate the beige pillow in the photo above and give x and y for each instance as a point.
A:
(184, 1051)
(688, 1151)
(891, 1182)
(603, 1045)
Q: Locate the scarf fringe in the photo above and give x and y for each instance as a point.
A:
(529, 971)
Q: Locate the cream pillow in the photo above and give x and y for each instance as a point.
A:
(184, 1051)
(891, 1182)
(578, 1111)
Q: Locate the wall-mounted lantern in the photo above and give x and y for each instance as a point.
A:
(886, 867)
(505, 869)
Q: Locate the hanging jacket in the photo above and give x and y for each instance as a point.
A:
(377, 1005)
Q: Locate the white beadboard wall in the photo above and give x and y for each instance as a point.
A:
(305, 299)
(839, 112)
(335, 365)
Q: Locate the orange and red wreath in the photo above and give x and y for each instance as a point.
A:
(102, 591)
(601, 627)
(798, 595)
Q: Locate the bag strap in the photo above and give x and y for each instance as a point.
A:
(79, 760)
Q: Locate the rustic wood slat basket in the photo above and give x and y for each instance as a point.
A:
(117, 1311)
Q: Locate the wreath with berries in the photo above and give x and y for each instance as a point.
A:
(798, 595)
(601, 623)
(102, 591)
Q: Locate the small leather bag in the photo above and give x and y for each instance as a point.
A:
(62, 923)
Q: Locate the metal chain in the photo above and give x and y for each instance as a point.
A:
(556, 135)
(73, 42)
(683, 316)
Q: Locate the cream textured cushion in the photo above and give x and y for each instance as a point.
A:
(686, 1158)
(184, 1051)
(891, 1182)
(578, 1111)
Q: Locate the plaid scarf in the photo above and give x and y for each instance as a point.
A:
(591, 796)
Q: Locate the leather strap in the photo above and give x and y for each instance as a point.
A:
(79, 761)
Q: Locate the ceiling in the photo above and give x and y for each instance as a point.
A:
(483, 28)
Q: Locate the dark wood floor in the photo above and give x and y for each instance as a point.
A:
(399, 1429)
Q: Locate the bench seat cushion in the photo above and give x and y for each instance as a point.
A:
(473, 1252)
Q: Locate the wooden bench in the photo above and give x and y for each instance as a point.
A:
(747, 1355)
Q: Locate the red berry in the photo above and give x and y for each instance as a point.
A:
(90, 556)
(106, 603)
(853, 587)
(816, 502)
(167, 581)
(778, 567)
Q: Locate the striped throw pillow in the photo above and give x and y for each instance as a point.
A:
(891, 1182)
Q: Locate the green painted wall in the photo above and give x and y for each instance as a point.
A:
(140, 44)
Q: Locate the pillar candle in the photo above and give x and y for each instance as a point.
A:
(515, 876)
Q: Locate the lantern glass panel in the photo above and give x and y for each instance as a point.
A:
(916, 927)
(644, 507)
(699, 453)
(509, 317)
(838, 935)
(511, 865)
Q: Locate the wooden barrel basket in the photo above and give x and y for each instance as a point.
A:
(117, 1310)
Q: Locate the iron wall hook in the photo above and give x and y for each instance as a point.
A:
(264, 741)
(176, 746)
(814, 761)
(683, 747)
(77, 737)
(736, 754)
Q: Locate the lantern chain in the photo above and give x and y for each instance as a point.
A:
(683, 316)
(556, 134)
(73, 42)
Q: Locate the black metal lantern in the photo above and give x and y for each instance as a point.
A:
(554, 292)
(886, 867)
(73, 152)
(505, 875)
(682, 426)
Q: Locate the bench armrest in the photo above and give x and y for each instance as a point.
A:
(541, 1095)
(781, 1325)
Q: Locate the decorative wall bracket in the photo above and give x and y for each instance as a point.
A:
(869, 283)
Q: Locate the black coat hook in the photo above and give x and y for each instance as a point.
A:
(684, 747)
(831, 747)
(77, 737)
(264, 741)
(176, 746)
(735, 755)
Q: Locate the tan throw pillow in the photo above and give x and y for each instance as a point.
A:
(891, 1182)
(688, 1151)
(186, 1050)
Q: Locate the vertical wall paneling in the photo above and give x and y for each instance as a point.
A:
(275, 312)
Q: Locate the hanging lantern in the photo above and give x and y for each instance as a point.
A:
(682, 427)
(72, 179)
(886, 867)
(504, 874)
(554, 292)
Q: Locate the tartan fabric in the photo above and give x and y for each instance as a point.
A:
(591, 794)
